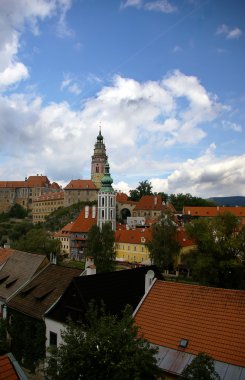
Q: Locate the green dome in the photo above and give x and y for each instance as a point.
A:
(106, 180)
(99, 137)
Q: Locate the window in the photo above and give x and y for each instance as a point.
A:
(52, 339)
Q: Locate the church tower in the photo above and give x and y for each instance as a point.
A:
(107, 201)
(99, 160)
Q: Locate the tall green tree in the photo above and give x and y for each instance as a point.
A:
(164, 246)
(105, 348)
(38, 240)
(144, 188)
(201, 368)
(100, 245)
(219, 257)
(180, 200)
(4, 346)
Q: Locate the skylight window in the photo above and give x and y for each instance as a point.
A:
(183, 343)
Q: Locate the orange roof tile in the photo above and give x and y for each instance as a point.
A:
(7, 371)
(52, 195)
(121, 197)
(32, 181)
(183, 238)
(153, 202)
(81, 184)
(5, 253)
(211, 319)
(82, 224)
(213, 211)
(133, 236)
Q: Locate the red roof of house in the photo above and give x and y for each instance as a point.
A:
(5, 253)
(64, 231)
(52, 195)
(121, 197)
(55, 185)
(83, 223)
(81, 184)
(211, 319)
(214, 211)
(183, 239)
(7, 371)
(152, 202)
(133, 236)
(32, 181)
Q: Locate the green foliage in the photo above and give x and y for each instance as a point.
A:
(38, 240)
(180, 200)
(219, 257)
(4, 347)
(62, 216)
(144, 188)
(105, 348)
(201, 368)
(100, 245)
(164, 247)
(17, 211)
(28, 339)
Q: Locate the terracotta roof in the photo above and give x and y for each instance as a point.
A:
(133, 236)
(10, 369)
(152, 202)
(7, 371)
(32, 181)
(183, 239)
(82, 224)
(55, 185)
(5, 253)
(213, 211)
(52, 195)
(211, 319)
(121, 197)
(43, 290)
(64, 231)
(18, 269)
(83, 184)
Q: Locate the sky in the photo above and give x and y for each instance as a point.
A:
(165, 80)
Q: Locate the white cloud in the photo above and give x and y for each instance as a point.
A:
(69, 83)
(177, 49)
(135, 117)
(232, 126)
(154, 5)
(14, 16)
(228, 32)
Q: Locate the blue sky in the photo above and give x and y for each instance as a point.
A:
(164, 78)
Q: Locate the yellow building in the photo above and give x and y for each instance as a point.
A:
(64, 237)
(45, 205)
(130, 245)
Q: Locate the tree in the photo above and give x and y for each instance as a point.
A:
(17, 211)
(38, 240)
(164, 247)
(100, 245)
(180, 200)
(219, 257)
(144, 188)
(201, 368)
(104, 348)
(4, 347)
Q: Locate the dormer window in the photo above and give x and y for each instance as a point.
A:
(183, 343)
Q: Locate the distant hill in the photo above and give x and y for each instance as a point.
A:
(229, 201)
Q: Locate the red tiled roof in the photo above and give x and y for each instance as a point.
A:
(52, 195)
(5, 253)
(7, 371)
(64, 230)
(32, 181)
(82, 224)
(133, 236)
(81, 184)
(121, 197)
(213, 211)
(183, 238)
(152, 202)
(211, 319)
(55, 185)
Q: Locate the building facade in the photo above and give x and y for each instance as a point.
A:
(24, 192)
(99, 160)
(45, 205)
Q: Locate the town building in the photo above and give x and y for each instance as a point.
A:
(24, 192)
(63, 235)
(45, 204)
(80, 190)
(107, 200)
(192, 212)
(131, 245)
(182, 320)
(99, 160)
(152, 207)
